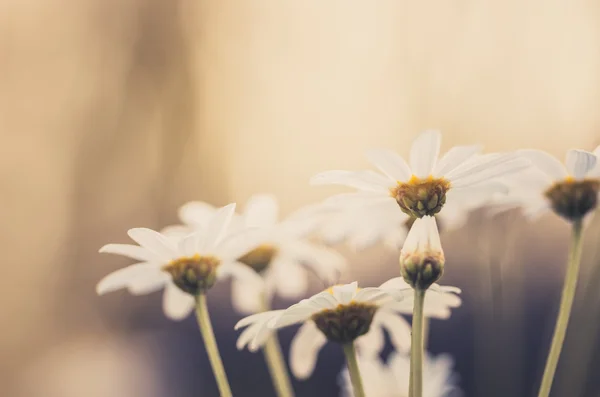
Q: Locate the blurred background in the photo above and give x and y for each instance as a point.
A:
(114, 113)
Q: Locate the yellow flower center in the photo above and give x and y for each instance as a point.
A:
(573, 199)
(259, 258)
(420, 197)
(195, 274)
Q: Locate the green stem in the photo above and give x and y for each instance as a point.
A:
(210, 344)
(566, 304)
(357, 385)
(277, 367)
(416, 353)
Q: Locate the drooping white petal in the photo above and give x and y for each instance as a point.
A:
(217, 226)
(154, 242)
(291, 277)
(373, 342)
(247, 335)
(188, 245)
(362, 180)
(454, 158)
(196, 213)
(261, 210)
(486, 169)
(240, 272)
(390, 163)
(396, 283)
(120, 278)
(177, 305)
(345, 293)
(398, 329)
(148, 282)
(258, 317)
(424, 153)
(580, 162)
(258, 331)
(305, 350)
(246, 297)
(131, 251)
(547, 163)
(294, 315)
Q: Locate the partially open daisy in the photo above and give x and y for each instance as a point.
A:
(392, 379)
(422, 188)
(342, 314)
(283, 258)
(570, 190)
(185, 265)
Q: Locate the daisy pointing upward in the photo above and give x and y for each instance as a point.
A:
(421, 189)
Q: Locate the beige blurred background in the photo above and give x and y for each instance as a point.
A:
(114, 113)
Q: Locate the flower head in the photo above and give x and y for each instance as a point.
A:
(422, 258)
(421, 189)
(570, 190)
(392, 379)
(283, 257)
(341, 314)
(185, 265)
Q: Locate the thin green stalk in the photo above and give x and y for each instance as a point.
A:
(416, 353)
(566, 304)
(210, 344)
(277, 367)
(357, 385)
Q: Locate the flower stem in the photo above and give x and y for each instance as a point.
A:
(357, 385)
(566, 304)
(277, 367)
(416, 353)
(210, 344)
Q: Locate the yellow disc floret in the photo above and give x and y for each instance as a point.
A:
(195, 274)
(420, 197)
(573, 199)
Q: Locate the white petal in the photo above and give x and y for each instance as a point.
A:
(579, 163)
(324, 300)
(546, 163)
(305, 350)
(390, 163)
(246, 297)
(217, 226)
(120, 278)
(294, 314)
(398, 329)
(424, 153)
(486, 171)
(177, 305)
(362, 180)
(325, 262)
(247, 335)
(176, 231)
(241, 242)
(345, 293)
(154, 242)
(257, 318)
(131, 251)
(370, 295)
(454, 158)
(188, 245)
(396, 283)
(423, 235)
(148, 282)
(444, 289)
(240, 272)
(261, 210)
(373, 342)
(196, 213)
(291, 278)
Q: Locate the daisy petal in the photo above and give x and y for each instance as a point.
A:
(294, 315)
(545, 162)
(120, 278)
(217, 226)
(154, 242)
(485, 171)
(196, 213)
(247, 335)
(291, 278)
(131, 251)
(454, 158)
(390, 163)
(579, 163)
(177, 305)
(397, 328)
(239, 271)
(188, 245)
(370, 295)
(258, 317)
(362, 180)
(345, 293)
(148, 282)
(246, 297)
(424, 153)
(372, 343)
(305, 350)
(261, 210)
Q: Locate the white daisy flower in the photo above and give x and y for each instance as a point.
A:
(341, 314)
(421, 189)
(392, 380)
(284, 257)
(570, 190)
(183, 266)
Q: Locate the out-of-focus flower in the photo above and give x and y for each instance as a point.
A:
(570, 190)
(284, 256)
(392, 380)
(422, 188)
(341, 314)
(185, 265)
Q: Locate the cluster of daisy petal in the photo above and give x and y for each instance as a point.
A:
(400, 204)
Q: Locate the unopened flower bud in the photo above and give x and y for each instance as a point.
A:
(422, 258)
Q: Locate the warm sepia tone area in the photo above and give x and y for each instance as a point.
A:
(115, 113)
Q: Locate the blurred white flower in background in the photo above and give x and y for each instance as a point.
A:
(181, 265)
(285, 256)
(392, 379)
